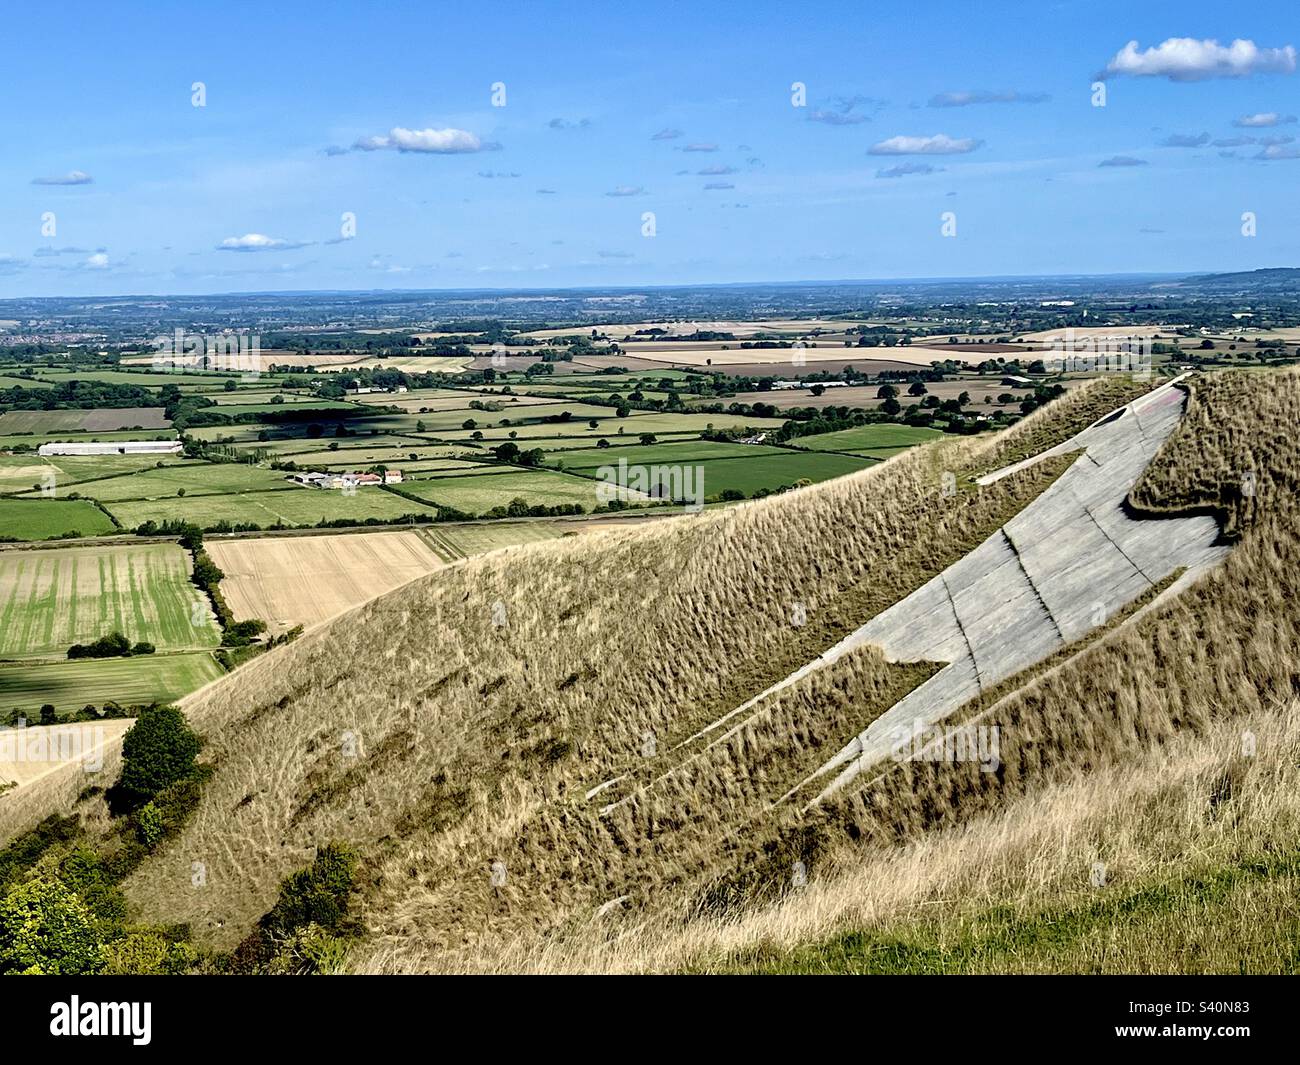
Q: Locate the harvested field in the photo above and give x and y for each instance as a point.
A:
(37, 751)
(304, 580)
(88, 421)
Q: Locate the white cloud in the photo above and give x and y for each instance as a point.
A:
(1187, 59)
(72, 177)
(258, 242)
(1282, 150)
(1262, 119)
(98, 261)
(435, 141)
(939, 144)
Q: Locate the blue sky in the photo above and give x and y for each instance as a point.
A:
(153, 195)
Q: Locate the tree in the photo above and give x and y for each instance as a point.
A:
(46, 929)
(48, 715)
(647, 438)
(469, 423)
(158, 751)
(891, 407)
(886, 392)
(817, 390)
(602, 442)
(917, 388)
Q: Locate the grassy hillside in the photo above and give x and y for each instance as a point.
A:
(453, 730)
(490, 697)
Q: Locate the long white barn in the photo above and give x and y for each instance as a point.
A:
(113, 447)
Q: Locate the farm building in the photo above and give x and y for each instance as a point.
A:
(346, 480)
(114, 447)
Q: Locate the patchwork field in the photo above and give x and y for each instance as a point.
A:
(89, 421)
(192, 479)
(72, 685)
(44, 519)
(477, 494)
(298, 506)
(51, 599)
(303, 580)
(873, 440)
(452, 542)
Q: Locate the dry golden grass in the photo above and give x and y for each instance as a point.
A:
(1187, 809)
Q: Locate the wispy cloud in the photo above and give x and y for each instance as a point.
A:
(907, 169)
(716, 171)
(259, 242)
(430, 141)
(700, 146)
(564, 123)
(667, 134)
(1262, 120)
(980, 96)
(845, 110)
(939, 144)
(1185, 140)
(626, 190)
(498, 174)
(1283, 149)
(718, 186)
(1189, 59)
(72, 177)
(1122, 160)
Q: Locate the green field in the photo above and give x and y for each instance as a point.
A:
(51, 599)
(72, 685)
(742, 467)
(878, 441)
(296, 506)
(42, 519)
(685, 451)
(452, 542)
(23, 473)
(477, 494)
(203, 478)
(636, 423)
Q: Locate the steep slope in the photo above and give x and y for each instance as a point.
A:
(454, 728)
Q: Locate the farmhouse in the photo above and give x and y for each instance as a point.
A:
(346, 480)
(114, 447)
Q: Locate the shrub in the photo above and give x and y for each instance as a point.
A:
(158, 751)
(147, 953)
(149, 826)
(46, 929)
